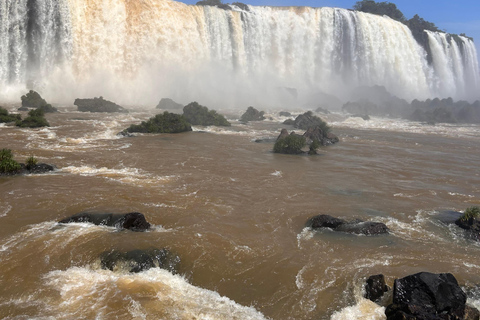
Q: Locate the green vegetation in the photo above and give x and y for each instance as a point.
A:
(380, 8)
(7, 164)
(292, 144)
(5, 117)
(31, 162)
(471, 213)
(313, 147)
(197, 114)
(35, 119)
(33, 100)
(162, 123)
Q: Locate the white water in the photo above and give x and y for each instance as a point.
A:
(137, 52)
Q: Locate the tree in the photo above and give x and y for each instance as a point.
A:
(380, 8)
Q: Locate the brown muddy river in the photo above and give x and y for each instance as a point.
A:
(235, 214)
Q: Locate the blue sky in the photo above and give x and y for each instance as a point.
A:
(458, 16)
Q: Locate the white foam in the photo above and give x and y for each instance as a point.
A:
(131, 176)
(155, 293)
(363, 310)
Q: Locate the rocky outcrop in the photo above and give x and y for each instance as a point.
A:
(354, 227)
(98, 105)
(470, 221)
(252, 114)
(324, 138)
(33, 100)
(197, 114)
(375, 287)
(161, 123)
(140, 260)
(134, 221)
(308, 120)
(167, 103)
(428, 296)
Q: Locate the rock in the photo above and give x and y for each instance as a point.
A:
(197, 114)
(355, 227)
(285, 114)
(427, 296)
(363, 227)
(252, 114)
(290, 144)
(470, 221)
(325, 221)
(161, 123)
(140, 260)
(283, 134)
(134, 221)
(322, 110)
(38, 168)
(289, 122)
(308, 120)
(33, 100)
(375, 287)
(167, 103)
(241, 6)
(23, 109)
(324, 138)
(98, 105)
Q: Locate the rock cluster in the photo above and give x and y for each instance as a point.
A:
(134, 221)
(98, 105)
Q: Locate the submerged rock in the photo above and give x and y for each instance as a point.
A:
(355, 227)
(375, 287)
(427, 296)
(98, 105)
(134, 221)
(252, 114)
(161, 123)
(140, 260)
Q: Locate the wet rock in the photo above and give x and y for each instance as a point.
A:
(319, 134)
(470, 221)
(140, 260)
(363, 227)
(427, 296)
(325, 221)
(98, 105)
(355, 227)
(285, 114)
(375, 287)
(252, 114)
(197, 114)
(37, 168)
(134, 221)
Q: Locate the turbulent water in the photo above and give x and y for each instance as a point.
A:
(137, 52)
(235, 213)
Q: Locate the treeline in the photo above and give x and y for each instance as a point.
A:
(416, 24)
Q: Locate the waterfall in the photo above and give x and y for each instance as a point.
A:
(140, 51)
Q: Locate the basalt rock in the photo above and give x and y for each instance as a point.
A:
(317, 133)
(140, 260)
(355, 227)
(428, 296)
(167, 103)
(98, 105)
(375, 287)
(470, 221)
(134, 221)
(252, 114)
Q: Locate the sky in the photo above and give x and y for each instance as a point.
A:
(453, 16)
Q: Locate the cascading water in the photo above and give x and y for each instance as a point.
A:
(141, 51)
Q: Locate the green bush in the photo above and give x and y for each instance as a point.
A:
(31, 162)
(5, 117)
(314, 146)
(7, 164)
(162, 123)
(35, 119)
(380, 8)
(471, 213)
(197, 114)
(291, 144)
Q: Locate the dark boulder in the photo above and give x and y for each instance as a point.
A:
(427, 296)
(285, 114)
(325, 221)
(134, 221)
(363, 227)
(197, 114)
(317, 133)
(375, 287)
(98, 105)
(140, 260)
(33, 100)
(167, 103)
(355, 227)
(252, 114)
(308, 120)
(162, 123)
(37, 168)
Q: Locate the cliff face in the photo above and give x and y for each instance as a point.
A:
(136, 47)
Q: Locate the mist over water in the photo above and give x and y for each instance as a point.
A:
(136, 52)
